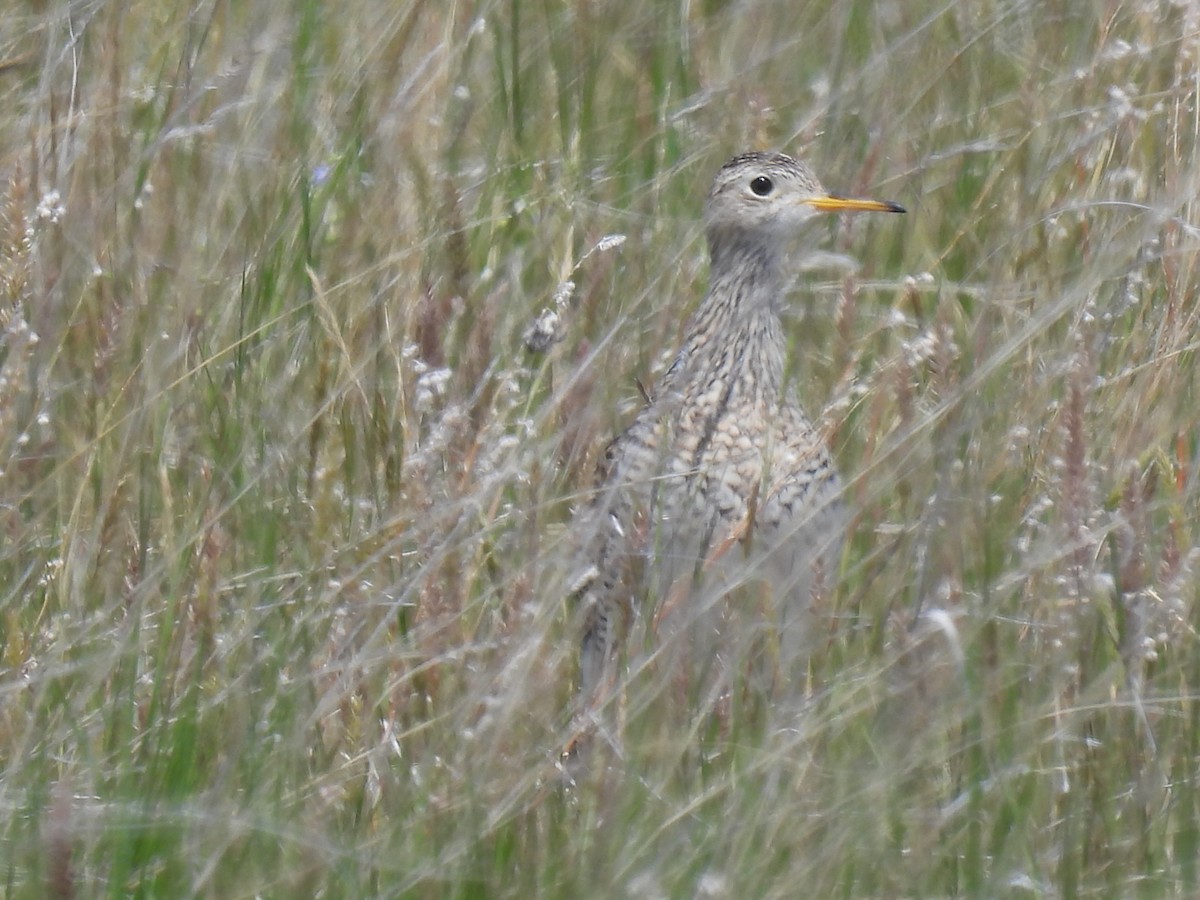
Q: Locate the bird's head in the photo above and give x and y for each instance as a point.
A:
(765, 196)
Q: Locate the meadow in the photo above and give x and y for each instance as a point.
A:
(286, 487)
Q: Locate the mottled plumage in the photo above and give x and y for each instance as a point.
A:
(721, 472)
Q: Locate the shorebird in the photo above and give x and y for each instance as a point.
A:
(721, 471)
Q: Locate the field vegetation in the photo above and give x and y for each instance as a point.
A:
(285, 495)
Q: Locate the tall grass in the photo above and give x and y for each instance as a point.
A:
(285, 499)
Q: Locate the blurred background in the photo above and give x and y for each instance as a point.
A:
(315, 319)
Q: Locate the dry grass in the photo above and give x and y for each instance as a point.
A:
(283, 494)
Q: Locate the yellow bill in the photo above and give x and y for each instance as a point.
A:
(834, 203)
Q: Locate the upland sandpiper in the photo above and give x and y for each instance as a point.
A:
(721, 465)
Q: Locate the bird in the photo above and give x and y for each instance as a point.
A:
(721, 477)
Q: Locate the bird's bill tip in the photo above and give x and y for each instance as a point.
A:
(834, 203)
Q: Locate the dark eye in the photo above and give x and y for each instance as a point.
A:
(762, 185)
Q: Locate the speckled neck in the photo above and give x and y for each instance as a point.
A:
(737, 330)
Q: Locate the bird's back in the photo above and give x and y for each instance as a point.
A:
(720, 480)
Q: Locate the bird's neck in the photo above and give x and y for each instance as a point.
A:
(737, 326)
(745, 263)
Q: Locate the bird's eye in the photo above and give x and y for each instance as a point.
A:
(762, 185)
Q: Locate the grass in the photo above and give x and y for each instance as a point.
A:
(284, 498)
